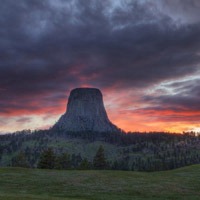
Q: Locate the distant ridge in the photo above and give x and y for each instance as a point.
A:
(86, 112)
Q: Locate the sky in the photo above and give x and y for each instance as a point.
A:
(144, 55)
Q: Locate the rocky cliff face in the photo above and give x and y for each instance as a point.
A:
(86, 112)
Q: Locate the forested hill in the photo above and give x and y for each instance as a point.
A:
(132, 151)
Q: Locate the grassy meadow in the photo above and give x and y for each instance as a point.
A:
(37, 184)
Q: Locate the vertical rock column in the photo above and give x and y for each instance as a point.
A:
(86, 112)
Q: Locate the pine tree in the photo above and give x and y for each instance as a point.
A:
(99, 160)
(85, 164)
(63, 161)
(47, 159)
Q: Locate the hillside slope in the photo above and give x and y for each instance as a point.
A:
(133, 151)
(32, 184)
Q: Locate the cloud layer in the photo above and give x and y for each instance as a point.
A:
(132, 47)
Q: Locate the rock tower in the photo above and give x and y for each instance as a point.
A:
(86, 112)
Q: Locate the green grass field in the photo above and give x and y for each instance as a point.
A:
(21, 184)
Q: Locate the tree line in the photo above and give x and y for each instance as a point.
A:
(50, 160)
(134, 151)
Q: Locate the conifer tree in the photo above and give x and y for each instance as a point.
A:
(47, 159)
(99, 160)
(63, 161)
(85, 164)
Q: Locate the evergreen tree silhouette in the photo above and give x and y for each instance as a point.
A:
(99, 160)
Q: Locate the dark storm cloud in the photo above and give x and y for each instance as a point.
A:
(184, 10)
(47, 47)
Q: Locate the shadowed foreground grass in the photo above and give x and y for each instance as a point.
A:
(23, 184)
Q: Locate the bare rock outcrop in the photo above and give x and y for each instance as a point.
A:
(86, 112)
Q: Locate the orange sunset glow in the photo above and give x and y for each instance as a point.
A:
(144, 58)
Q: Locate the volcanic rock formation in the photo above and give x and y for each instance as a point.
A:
(86, 112)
